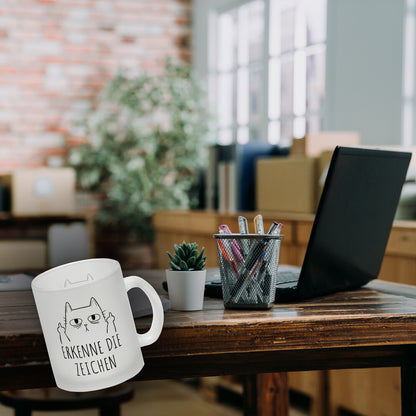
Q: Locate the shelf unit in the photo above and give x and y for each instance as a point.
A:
(29, 236)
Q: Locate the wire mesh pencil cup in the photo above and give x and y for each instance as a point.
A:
(248, 268)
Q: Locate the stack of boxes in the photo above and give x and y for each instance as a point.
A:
(294, 183)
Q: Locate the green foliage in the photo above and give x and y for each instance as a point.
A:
(146, 144)
(187, 257)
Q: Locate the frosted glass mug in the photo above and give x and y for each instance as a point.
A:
(88, 324)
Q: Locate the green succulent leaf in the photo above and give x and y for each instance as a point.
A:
(181, 253)
(191, 262)
(183, 265)
(187, 257)
(174, 266)
(200, 254)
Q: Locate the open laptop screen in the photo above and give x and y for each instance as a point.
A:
(353, 220)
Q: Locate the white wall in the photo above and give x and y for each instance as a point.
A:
(364, 68)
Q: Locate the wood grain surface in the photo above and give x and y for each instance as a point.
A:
(373, 326)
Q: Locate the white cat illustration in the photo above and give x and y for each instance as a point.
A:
(84, 322)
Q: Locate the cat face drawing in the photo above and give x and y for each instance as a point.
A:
(85, 322)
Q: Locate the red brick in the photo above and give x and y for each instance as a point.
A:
(87, 41)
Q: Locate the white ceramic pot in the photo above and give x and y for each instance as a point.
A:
(186, 289)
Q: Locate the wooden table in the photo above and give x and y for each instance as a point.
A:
(371, 327)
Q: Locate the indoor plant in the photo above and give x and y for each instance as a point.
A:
(145, 145)
(186, 278)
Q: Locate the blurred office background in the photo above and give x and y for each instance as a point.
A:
(276, 69)
(273, 71)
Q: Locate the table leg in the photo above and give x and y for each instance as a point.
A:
(266, 395)
(408, 379)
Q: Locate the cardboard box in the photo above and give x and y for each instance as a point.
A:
(41, 191)
(286, 184)
(23, 256)
(313, 144)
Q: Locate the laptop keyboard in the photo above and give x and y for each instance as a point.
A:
(287, 275)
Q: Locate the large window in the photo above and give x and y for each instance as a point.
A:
(278, 69)
(266, 69)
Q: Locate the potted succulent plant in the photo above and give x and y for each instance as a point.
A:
(186, 278)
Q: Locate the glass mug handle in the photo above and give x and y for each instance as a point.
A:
(153, 333)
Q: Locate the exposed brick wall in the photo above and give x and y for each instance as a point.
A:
(56, 54)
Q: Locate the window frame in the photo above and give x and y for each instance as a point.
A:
(205, 63)
(205, 54)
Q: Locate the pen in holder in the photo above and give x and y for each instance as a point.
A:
(248, 281)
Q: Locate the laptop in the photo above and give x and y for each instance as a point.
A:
(351, 227)
(352, 224)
